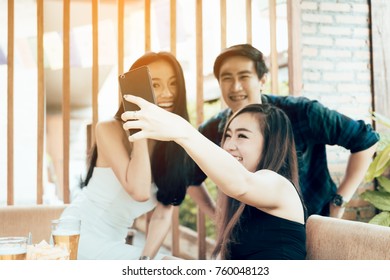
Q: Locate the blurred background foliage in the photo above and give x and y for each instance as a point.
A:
(379, 171)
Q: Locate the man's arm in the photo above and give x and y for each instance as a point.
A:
(357, 166)
(202, 198)
(159, 225)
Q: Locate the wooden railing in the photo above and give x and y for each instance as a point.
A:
(294, 62)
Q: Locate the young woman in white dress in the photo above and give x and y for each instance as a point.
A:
(126, 180)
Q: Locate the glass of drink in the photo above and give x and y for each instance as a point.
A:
(13, 248)
(67, 232)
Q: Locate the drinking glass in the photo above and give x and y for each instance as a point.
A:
(13, 248)
(67, 232)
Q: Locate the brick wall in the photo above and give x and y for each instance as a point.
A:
(336, 71)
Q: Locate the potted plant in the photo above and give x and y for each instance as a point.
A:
(379, 170)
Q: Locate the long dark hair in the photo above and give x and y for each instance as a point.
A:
(170, 164)
(278, 155)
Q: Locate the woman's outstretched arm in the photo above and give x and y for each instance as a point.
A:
(262, 189)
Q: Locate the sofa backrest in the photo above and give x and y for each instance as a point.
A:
(327, 238)
(338, 239)
(20, 220)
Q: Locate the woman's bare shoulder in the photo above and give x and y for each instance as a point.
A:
(108, 129)
(107, 126)
(106, 134)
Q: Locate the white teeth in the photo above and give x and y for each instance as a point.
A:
(239, 158)
(237, 97)
(165, 104)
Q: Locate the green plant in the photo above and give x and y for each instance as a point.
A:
(188, 211)
(379, 170)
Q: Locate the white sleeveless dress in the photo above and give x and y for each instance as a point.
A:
(106, 210)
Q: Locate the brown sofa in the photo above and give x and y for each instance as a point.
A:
(20, 220)
(327, 238)
(337, 239)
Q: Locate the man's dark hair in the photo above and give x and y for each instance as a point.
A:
(245, 50)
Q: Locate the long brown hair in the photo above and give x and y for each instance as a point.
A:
(278, 155)
(170, 164)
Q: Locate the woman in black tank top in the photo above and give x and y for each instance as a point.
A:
(260, 214)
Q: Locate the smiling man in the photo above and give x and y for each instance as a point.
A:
(241, 73)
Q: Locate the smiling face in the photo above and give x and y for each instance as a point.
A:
(239, 82)
(244, 140)
(164, 84)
